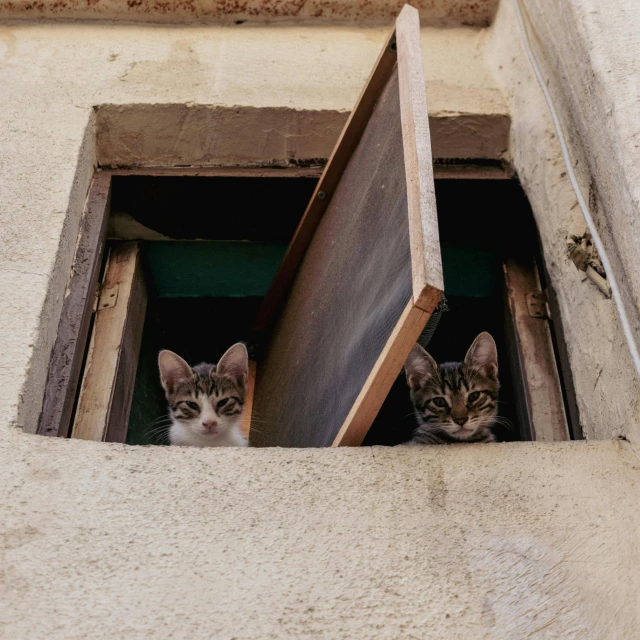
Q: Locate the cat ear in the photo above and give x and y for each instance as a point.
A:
(419, 367)
(173, 370)
(483, 356)
(235, 364)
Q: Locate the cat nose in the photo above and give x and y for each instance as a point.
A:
(210, 424)
(461, 420)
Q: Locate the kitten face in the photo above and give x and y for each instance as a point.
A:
(457, 398)
(206, 401)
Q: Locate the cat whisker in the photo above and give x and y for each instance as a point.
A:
(160, 423)
(254, 430)
(163, 431)
(158, 432)
(165, 425)
(259, 422)
(262, 423)
(166, 419)
(256, 416)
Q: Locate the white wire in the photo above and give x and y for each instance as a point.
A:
(633, 348)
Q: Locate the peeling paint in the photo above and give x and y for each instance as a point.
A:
(478, 13)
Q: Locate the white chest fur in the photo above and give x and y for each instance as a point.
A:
(181, 436)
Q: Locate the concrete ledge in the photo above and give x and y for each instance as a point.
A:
(467, 542)
(202, 135)
(432, 12)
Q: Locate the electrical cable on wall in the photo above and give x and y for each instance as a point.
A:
(617, 298)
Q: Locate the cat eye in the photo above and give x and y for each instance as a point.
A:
(192, 405)
(473, 396)
(439, 402)
(222, 402)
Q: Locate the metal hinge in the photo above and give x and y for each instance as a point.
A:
(108, 298)
(537, 304)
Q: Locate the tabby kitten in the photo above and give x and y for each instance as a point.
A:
(455, 401)
(206, 402)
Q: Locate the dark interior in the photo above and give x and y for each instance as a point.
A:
(481, 223)
(198, 311)
(215, 208)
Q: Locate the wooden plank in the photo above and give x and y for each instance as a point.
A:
(441, 170)
(68, 351)
(541, 395)
(107, 386)
(220, 172)
(349, 139)
(471, 171)
(350, 318)
(426, 263)
(382, 376)
(468, 170)
(245, 425)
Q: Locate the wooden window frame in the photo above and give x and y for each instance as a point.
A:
(540, 404)
(530, 349)
(106, 390)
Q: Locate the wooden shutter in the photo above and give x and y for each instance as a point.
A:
(363, 272)
(112, 360)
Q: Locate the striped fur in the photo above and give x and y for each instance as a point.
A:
(206, 401)
(455, 401)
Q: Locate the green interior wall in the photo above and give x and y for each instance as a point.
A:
(202, 269)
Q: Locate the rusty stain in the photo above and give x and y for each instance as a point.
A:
(477, 13)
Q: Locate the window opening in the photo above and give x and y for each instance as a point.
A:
(482, 224)
(369, 267)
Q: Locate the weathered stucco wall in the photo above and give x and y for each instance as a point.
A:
(108, 541)
(493, 541)
(432, 12)
(590, 57)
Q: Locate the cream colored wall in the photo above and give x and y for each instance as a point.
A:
(108, 541)
(590, 58)
(494, 541)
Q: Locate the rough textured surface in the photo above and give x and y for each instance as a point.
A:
(108, 541)
(179, 134)
(432, 12)
(594, 83)
(490, 541)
